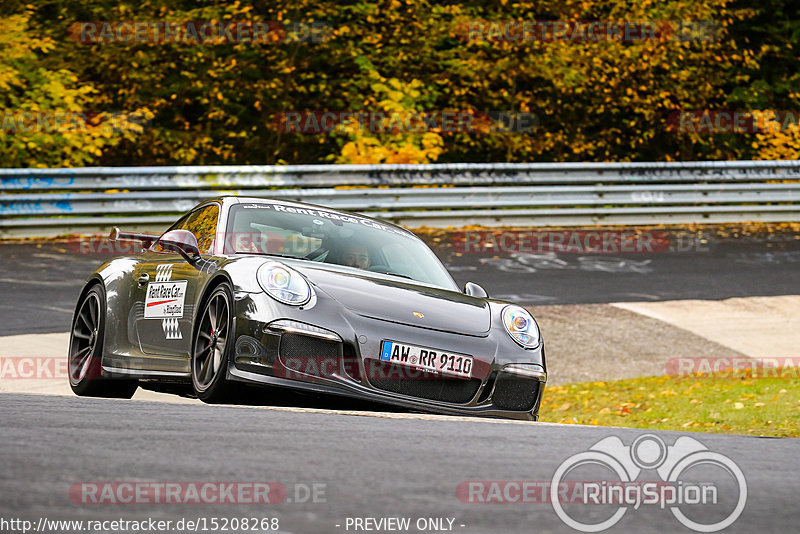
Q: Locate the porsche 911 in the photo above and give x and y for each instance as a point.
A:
(289, 295)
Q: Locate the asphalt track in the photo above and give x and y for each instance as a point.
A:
(370, 463)
(396, 466)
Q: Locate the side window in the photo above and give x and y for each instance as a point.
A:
(202, 223)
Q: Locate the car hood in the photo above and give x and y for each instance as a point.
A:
(396, 301)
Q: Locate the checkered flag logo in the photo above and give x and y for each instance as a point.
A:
(171, 328)
(163, 273)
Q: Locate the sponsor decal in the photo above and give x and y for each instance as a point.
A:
(171, 328)
(164, 299)
(164, 273)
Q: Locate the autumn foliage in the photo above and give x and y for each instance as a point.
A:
(214, 101)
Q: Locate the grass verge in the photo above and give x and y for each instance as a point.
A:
(733, 402)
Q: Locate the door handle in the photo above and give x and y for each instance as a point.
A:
(144, 279)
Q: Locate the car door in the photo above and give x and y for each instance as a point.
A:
(166, 286)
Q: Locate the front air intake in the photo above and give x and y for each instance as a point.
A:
(310, 355)
(515, 393)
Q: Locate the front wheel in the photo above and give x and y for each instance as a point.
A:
(85, 360)
(212, 341)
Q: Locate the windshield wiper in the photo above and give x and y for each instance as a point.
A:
(394, 274)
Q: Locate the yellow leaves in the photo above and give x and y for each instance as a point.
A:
(392, 139)
(778, 137)
(68, 127)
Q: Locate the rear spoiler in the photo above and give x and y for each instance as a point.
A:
(118, 235)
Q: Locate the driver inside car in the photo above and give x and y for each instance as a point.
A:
(356, 255)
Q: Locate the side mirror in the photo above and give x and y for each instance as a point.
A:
(182, 242)
(474, 290)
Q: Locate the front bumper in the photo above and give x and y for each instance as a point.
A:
(339, 355)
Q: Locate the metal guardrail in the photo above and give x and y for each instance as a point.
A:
(40, 202)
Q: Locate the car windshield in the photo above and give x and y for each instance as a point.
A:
(324, 236)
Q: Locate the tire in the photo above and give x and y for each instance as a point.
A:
(85, 357)
(212, 345)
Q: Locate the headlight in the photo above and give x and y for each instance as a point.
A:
(283, 284)
(520, 326)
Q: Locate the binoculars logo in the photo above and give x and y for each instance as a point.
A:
(627, 462)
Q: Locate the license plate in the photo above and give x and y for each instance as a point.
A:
(427, 359)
